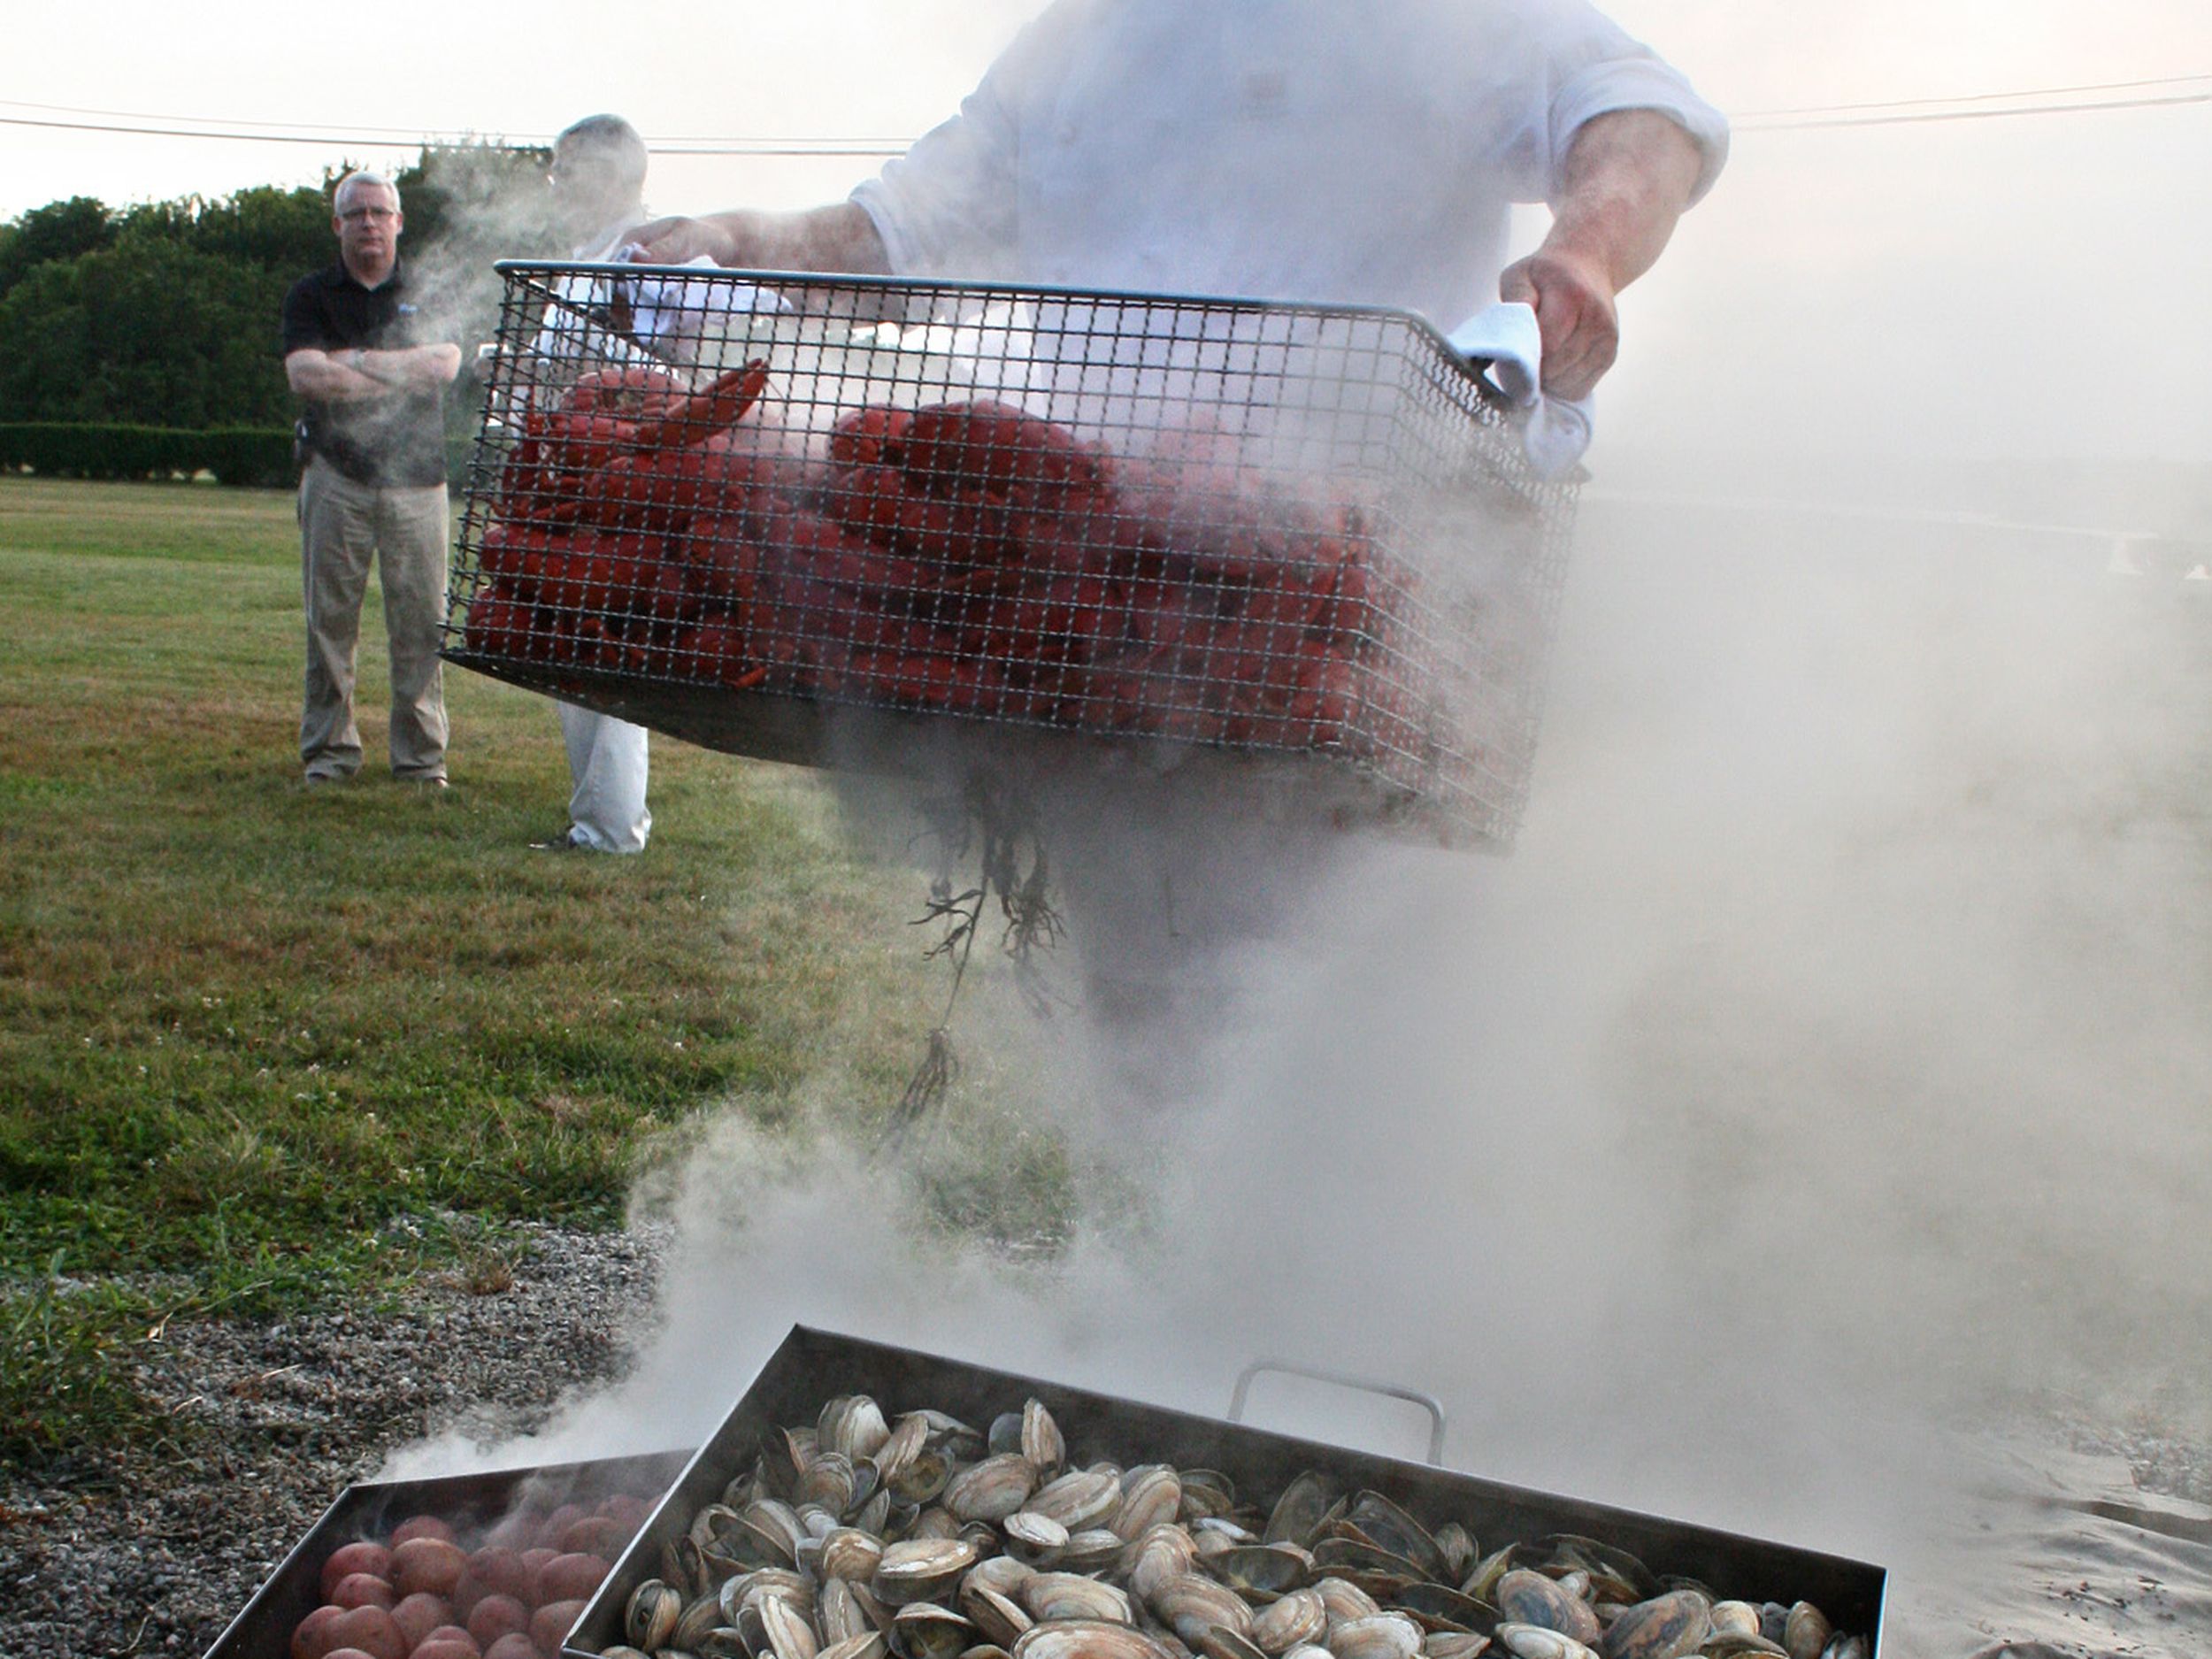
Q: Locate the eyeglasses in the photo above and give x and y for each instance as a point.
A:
(356, 215)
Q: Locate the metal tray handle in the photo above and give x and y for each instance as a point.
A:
(1344, 1380)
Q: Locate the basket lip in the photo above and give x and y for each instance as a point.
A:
(1256, 304)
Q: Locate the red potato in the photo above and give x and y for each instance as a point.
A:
(421, 1526)
(311, 1638)
(496, 1616)
(363, 1556)
(534, 1558)
(571, 1577)
(452, 1644)
(427, 1562)
(624, 1509)
(362, 1589)
(514, 1645)
(420, 1614)
(350, 1652)
(550, 1626)
(372, 1630)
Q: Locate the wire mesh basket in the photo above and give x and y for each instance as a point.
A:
(811, 518)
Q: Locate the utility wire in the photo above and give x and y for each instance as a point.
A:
(1751, 125)
(1895, 112)
(1964, 97)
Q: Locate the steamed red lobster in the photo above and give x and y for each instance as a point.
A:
(966, 556)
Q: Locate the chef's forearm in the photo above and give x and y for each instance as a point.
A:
(840, 237)
(1628, 178)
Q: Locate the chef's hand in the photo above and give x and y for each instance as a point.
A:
(1573, 299)
(680, 241)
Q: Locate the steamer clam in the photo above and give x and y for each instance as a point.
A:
(864, 1535)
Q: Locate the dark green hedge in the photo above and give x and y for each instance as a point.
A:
(234, 455)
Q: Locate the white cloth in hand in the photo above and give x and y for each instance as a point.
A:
(1556, 430)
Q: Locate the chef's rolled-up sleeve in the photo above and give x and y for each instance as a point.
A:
(1596, 68)
(950, 205)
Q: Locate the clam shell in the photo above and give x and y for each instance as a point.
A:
(1615, 1574)
(1096, 1550)
(1458, 1546)
(1742, 1618)
(901, 1446)
(1345, 1600)
(1207, 1492)
(1457, 1644)
(1842, 1647)
(829, 1481)
(1297, 1515)
(1085, 1638)
(1221, 1642)
(867, 1645)
(1080, 1499)
(1735, 1644)
(921, 1569)
(1439, 1608)
(923, 1629)
(1526, 1597)
(1298, 1616)
(1538, 1641)
(693, 1622)
(993, 1489)
(1004, 1574)
(839, 1614)
(1379, 1636)
(1035, 1538)
(1066, 1595)
(849, 1553)
(1150, 1494)
(1805, 1631)
(1162, 1553)
(790, 1636)
(1041, 1440)
(999, 1617)
(1260, 1570)
(1666, 1627)
(652, 1615)
(1191, 1604)
(1397, 1531)
(852, 1426)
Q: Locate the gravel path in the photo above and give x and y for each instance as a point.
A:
(156, 1555)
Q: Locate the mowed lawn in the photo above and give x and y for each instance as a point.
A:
(259, 1045)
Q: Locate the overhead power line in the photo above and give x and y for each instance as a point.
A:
(1749, 124)
(1976, 97)
(2049, 100)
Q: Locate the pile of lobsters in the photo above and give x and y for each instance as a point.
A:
(966, 556)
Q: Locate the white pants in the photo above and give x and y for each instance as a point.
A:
(606, 759)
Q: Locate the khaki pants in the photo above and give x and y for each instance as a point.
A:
(341, 525)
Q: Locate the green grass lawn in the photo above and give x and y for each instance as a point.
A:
(244, 1030)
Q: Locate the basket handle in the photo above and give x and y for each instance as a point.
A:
(1344, 1380)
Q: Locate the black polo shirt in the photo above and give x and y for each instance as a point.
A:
(398, 440)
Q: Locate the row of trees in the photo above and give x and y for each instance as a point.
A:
(165, 314)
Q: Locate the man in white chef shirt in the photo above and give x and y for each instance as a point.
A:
(1297, 150)
(598, 183)
(1334, 152)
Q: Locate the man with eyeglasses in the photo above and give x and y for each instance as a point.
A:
(356, 351)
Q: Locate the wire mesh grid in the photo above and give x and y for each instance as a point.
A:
(747, 507)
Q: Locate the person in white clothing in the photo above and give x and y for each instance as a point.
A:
(598, 183)
(1293, 150)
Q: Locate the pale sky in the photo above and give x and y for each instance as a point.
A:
(2040, 285)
